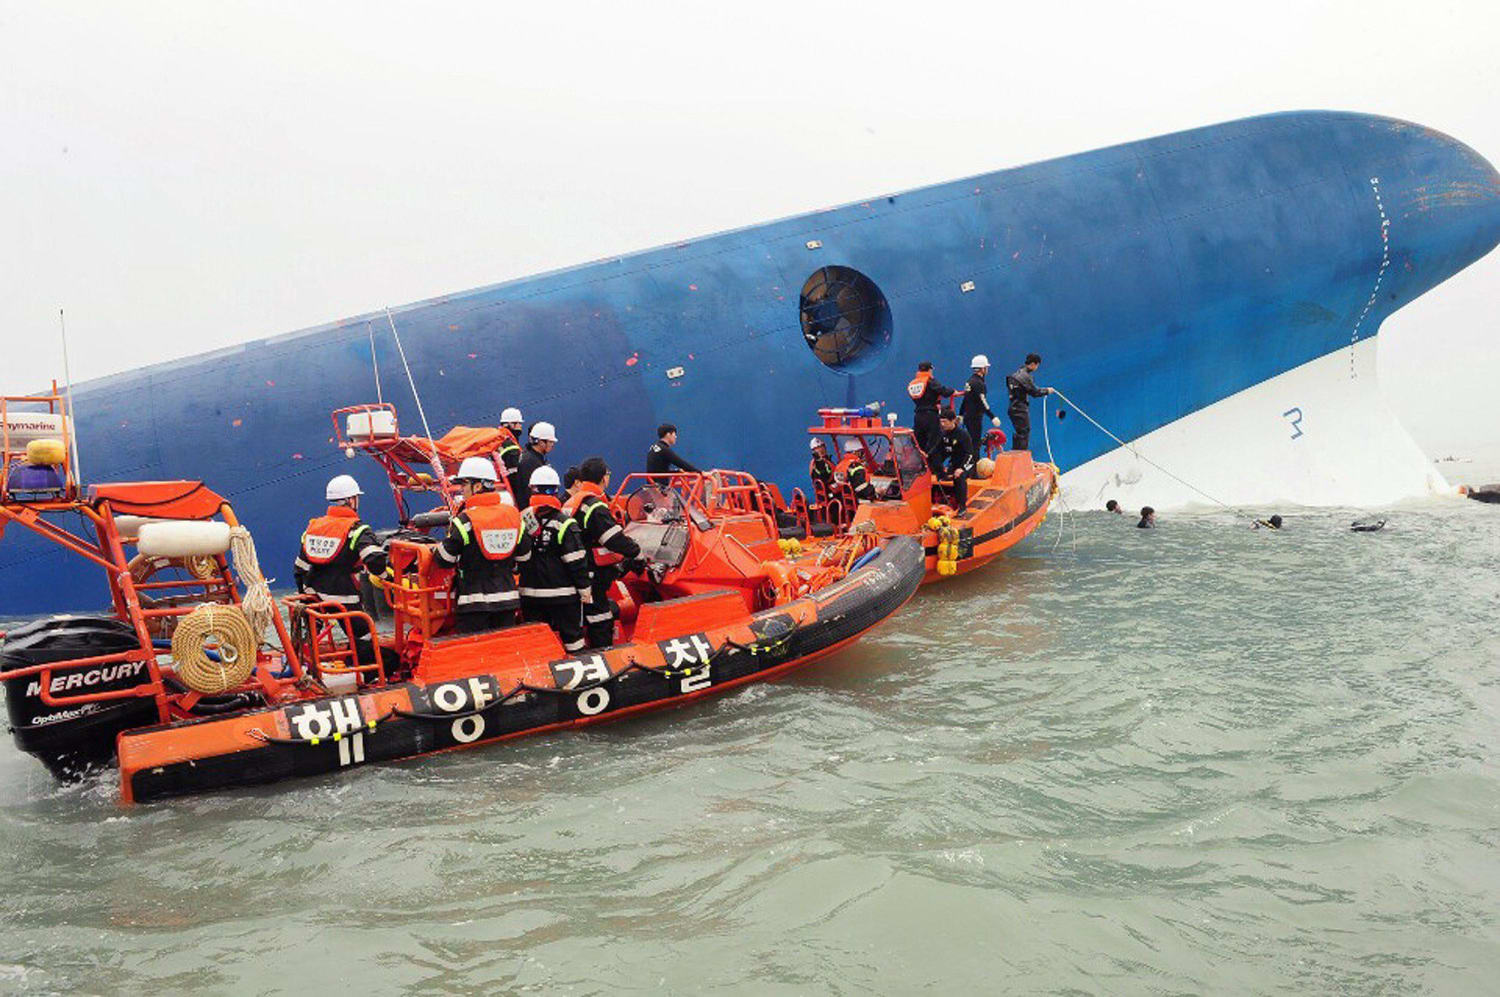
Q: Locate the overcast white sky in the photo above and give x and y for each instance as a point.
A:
(185, 175)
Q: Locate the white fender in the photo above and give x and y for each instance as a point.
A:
(182, 538)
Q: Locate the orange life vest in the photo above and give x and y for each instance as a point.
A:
(918, 385)
(326, 535)
(494, 526)
(848, 463)
(581, 490)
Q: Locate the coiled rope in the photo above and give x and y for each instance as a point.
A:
(226, 632)
(256, 601)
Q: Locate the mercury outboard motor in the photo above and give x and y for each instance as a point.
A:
(70, 740)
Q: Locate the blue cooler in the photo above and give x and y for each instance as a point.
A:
(35, 482)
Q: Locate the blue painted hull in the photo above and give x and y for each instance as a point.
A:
(1156, 277)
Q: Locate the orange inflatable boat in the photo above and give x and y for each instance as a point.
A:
(192, 685)
(1005, 503)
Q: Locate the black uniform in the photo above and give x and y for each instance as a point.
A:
(976, 407)
(925, 415)
(1022, 390)
(485, 593)
(520, 484)
(601, 535)
(510, 462)
(660, 459)
(820, 470)
(955, 458)
(859, 481)
(334, 580)
(554, 575)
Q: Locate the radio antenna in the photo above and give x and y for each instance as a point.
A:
(436, 463)
(76, 463)
(374, 364)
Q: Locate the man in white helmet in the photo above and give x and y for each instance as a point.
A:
(852, 470)
(510, 446)
(976, 403)
(484, 542)
(820, 469)
(555, 578)
(335, 547)
(543, 440)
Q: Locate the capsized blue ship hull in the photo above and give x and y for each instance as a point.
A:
(1157, 278)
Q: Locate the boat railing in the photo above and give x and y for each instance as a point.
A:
(318, 624)
(419, 592)
(13, 445)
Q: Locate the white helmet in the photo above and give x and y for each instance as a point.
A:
(544, 431)
(814, 443)
(342, 487)
(544, 476)
(980, 360)
(510, 415)
(853, 446)
(476, 469)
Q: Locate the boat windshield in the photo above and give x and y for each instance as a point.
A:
(666, 501)
(909, 461)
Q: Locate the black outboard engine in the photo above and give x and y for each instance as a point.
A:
(70, 740)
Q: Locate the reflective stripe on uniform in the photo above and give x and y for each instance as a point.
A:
(604, 617)
(488, 598)
(575, 555)
(605, 536)
(301, 564)
(574, 645)
(343, 600)
(553, 593)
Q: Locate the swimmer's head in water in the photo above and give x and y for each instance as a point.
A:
(1275, 522)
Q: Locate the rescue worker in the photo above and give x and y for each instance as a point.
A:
(483, 542)
(661, 458)
(510, 446)
(334, 548)
(555, 572)
(611, 551)
(820, 469)
(955, 458)
(1022, 389)
(543, 439)
(976, 403)
(925, 392)
(852, 469)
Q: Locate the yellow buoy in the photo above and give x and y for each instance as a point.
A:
(46, 452)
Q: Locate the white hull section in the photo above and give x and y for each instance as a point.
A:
(1314, 435)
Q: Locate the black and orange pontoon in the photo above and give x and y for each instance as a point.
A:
(1006, 503)
(193, 687)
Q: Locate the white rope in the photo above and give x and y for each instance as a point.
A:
(437, 465)
(1133, 450)
(374, 364)
(255, 600)
(1067, 517)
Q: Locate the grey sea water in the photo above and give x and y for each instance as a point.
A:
(1200, 759)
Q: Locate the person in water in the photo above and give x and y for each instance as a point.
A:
(1114, 507)
(1022, 388)
(1274, 523)
(1148, 518)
